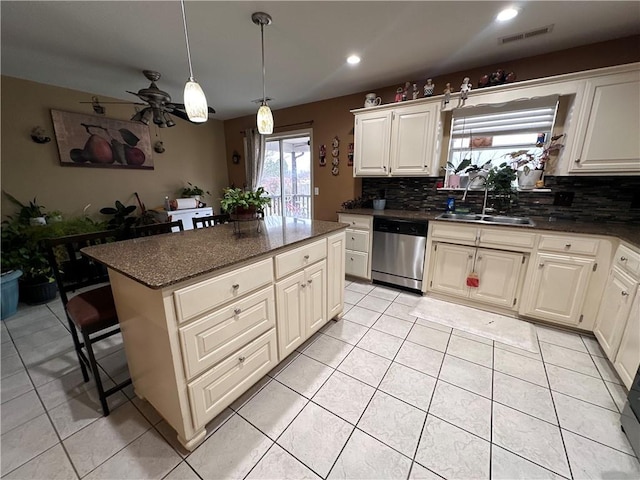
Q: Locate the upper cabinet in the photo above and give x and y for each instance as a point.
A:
(608, 126)
(397, 140)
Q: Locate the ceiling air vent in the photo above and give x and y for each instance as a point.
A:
(524, 35)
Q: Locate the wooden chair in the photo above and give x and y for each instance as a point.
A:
(210, 221)
(92, 311)
(156, 229)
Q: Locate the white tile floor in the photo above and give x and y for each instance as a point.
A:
(379, 394)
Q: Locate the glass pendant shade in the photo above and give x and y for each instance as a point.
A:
(195, 102)
(265, 120)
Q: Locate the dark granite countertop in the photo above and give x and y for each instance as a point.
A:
(162, 260)
(627, 232)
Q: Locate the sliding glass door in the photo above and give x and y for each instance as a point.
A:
(287, 175)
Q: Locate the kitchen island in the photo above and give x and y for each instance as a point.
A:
(206, 313)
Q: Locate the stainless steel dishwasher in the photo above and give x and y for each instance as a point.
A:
(398, 252)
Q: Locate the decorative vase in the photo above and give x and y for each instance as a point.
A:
(527, 181)
(33, 221)
(379, 204)
(454, 181)
(474, 183)
(9, 283)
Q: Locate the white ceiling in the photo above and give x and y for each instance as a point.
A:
(102, 46)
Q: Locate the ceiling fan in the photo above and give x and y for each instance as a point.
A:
(158, 104)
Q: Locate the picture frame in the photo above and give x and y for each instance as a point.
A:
(98, 142)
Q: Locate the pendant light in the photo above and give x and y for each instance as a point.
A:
(195, 102)
(265, 117)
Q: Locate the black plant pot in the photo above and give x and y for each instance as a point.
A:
(37, 293)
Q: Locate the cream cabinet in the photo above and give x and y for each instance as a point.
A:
(614, 311)
(358, 244)
(397, 140)
(335, 274)
(557, 287)
(628, 357)
(608, 125)
(498, 273)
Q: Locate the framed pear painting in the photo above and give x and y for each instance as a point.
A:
(96, 141)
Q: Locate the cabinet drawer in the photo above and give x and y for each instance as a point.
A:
(300, 257)
(566, 244)
(364, 222)
(199, 298)
(357, 240)
(506, 237)
(216, 389)
(356, 264)
(210, 339)
(457, 233)
(627, 259)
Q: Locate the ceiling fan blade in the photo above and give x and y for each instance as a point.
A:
(180, 114)
(118, 103)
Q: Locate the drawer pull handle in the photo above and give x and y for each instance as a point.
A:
(310, 281)
(624, 293)
(577, 160)
(353, 223)
(623, 259)
(306, 257)
(304, 285)
(470, 256)
(237, 311)
(235, 286)
(568, 245)
(241, 359)
(353, 239)
(480, 258)
(352, 259)
(541, 265)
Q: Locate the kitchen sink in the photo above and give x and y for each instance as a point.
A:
(487, 219)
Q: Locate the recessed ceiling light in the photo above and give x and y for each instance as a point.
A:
(507, 14)
(353, 59)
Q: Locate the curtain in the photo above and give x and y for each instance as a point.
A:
(254, 157)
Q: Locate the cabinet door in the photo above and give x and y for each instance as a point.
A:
(290, 308)
(614, 311)
(608, 126)
(412, 140)
(557, 288)
(315, 297)
(452, 264)
(335, 274)
(628, 358)
(499, 274)
(371, 149)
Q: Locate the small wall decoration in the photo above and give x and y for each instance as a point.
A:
(465, 88)
(496, 78)
(428, 88)
(350, 156)
(335, 152)
(92, 141)
(323, 155)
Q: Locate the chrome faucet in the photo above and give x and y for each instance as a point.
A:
(486, 191)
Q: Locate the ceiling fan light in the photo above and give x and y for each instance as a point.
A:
(146, 116)
(195, 102)
(265, 120)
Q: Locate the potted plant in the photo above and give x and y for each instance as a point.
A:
(244, 204)
(31, 213)
(530, 165)
(193, 191)
(453, 177)
(474, 171)
(500, 183)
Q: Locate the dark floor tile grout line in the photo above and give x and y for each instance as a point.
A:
(493, 373)
(555, 410)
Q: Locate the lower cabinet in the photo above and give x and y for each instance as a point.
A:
(628, 357)
(335, 274)
(557, 288)
(301, 306)
(614, 311)
(498, 273)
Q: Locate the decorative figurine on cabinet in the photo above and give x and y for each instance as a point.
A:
(405, 92)
(415, 91)
(465, 88)
(447, 95)
(398, 94)
(428, 88)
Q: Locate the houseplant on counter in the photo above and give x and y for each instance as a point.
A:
(193, 191)
(530, 165)
(500, 184)
(244, 204)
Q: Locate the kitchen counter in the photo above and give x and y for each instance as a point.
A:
(162, 260)
(627, 232)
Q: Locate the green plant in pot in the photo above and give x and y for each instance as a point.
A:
(32, 213)
(500, 182)
(453, 177)
(244, 204)
(193, 191)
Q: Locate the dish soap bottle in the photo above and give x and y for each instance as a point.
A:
(451, 204)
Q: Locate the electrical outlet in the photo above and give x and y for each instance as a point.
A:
(316, 190)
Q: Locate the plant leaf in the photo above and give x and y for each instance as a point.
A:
(108, 211)
(129, 137)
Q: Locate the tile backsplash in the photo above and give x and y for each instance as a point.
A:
(601, 198)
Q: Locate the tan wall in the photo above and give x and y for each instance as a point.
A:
(332, 117)
(194, 153)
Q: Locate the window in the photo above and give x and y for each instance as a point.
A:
(286, 175)
(485, 135)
